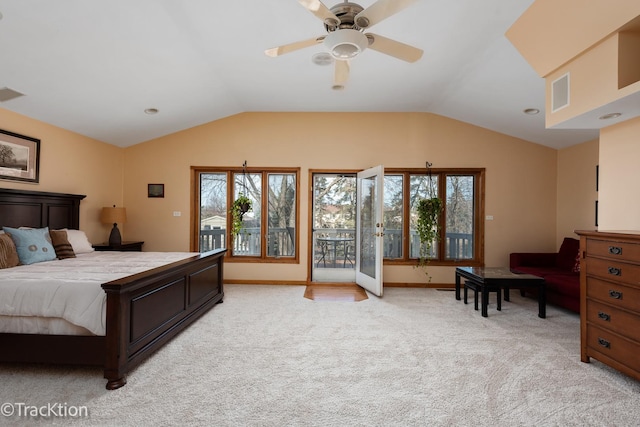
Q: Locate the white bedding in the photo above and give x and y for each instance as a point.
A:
(70, 289)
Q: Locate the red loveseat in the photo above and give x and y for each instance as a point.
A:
(561, 273)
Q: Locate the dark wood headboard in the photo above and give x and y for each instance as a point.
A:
(22, 208)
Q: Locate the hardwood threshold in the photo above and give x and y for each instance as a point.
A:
(349, 293)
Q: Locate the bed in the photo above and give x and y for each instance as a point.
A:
(143, 311)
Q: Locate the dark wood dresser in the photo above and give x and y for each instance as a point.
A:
(610, 299)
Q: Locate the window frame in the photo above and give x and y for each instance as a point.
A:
(478, 221)
(196, 171)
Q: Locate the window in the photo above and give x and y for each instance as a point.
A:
(461, 225)
(269, 229)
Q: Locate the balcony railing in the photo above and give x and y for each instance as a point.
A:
(281, 242)
(247, 242)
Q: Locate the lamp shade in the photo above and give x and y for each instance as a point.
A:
(113, 215)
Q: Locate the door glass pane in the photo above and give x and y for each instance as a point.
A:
(247, 241)
(213, 211)
(368, 227)
(459, 242)
(392, 216)
(334, 219)
(421, 187)
(281, 212)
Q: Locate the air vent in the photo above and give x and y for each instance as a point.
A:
(560, 93)
(7, 94)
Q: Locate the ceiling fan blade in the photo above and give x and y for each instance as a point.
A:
(394, 48)
(380, 10)
(291, 47)
(341, 74)
(321, 11)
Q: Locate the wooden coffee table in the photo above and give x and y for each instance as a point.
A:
(490, 278)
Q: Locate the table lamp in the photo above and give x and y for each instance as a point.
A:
(114, 216)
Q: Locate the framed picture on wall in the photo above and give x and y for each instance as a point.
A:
(19, 157)
(155, 190)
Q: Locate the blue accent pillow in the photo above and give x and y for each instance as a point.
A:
(32, 244)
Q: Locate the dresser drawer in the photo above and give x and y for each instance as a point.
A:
(605, 316)
(614, 294)
(613, 250)
(613, 346)
(612, 270)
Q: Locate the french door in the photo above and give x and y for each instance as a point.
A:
(333, 227)
(370, 230)
(347, 228)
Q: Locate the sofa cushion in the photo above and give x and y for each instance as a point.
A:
(566, 259)
(542, 271)
(576, 266)
(564, 284)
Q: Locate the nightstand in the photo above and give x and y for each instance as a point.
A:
(124, 247)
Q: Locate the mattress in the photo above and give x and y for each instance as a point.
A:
(65, 297)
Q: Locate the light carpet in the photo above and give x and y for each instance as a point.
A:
(269, 357)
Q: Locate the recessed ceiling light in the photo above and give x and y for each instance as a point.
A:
(322, 58)
(610, 116)
(531, 111)
(151, 111)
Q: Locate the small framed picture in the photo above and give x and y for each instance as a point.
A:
(155, 190)
(19, 157)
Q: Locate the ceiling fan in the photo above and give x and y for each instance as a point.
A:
(345, 24)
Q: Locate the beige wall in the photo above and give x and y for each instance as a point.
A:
(520, 178)
(620, 177)
(72, 163)
(576, 189)
(551, 32)
(535, 194)
(599, 46)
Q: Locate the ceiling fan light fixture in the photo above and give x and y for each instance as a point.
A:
(346, 43)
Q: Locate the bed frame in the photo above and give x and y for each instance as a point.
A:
(144, 311)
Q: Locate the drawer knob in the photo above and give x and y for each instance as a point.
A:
(615, 294)
(614, 271)
(604, 343)
(615, 250)
(604, 316)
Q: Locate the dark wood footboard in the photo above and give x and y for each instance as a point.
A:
(146, 310)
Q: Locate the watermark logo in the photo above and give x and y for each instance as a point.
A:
(50, 410)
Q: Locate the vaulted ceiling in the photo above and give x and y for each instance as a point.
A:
(94, 67)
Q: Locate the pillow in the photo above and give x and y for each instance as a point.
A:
(576, 266)
(32, 245)
(79, 241)
(8, 254)
(61, 244)
(566, 258)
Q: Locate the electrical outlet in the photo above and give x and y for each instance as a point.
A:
(489, 217)
(177, 213)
